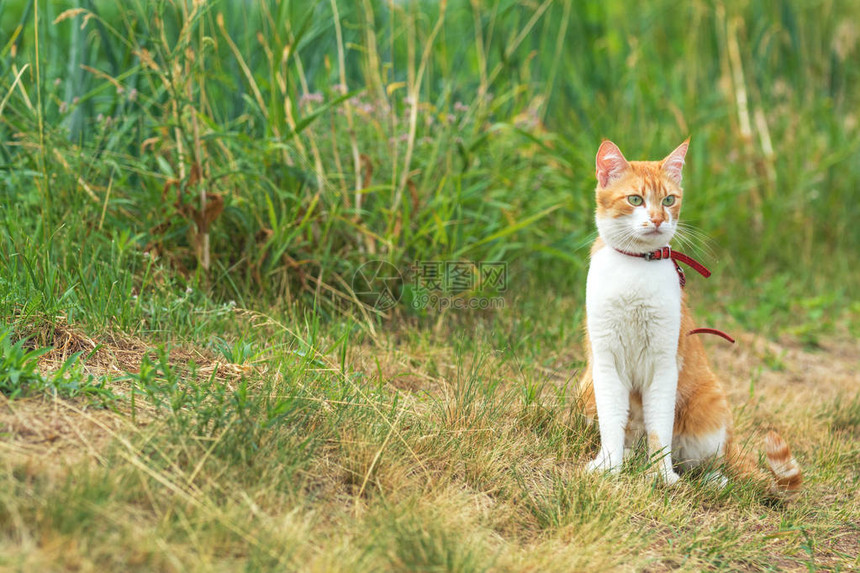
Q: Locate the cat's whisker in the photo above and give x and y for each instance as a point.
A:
(693, 230)
(628, 240)
(587, 241)
(693, 234)
(695, 240)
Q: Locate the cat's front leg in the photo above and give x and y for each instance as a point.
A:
(658, 406)
(612, 399)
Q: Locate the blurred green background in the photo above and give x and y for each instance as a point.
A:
(260, 151)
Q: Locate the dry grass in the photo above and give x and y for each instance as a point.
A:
(117, 354)
(418, 456)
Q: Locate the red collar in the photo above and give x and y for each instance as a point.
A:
(668, 253)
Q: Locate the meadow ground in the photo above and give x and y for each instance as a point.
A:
(201, 369)
(408, 451)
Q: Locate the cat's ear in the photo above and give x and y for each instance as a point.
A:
(610, 163)
(674, 162)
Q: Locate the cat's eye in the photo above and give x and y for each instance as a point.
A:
(669, 200)
(635, 200)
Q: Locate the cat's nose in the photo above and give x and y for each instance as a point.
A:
(657, 222)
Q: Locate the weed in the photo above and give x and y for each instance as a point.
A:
(19, 368)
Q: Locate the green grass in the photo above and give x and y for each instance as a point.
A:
(144, 121)
(190, 380)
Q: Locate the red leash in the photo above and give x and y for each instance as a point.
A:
(676, 257)
(693, 263)
(711, 331)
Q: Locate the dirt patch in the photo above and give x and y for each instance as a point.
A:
(786, 370)
(114, 354)
(49, 432)
(59, 432)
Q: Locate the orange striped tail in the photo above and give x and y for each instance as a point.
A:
(782, 464)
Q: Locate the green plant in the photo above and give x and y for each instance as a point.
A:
(19, 366)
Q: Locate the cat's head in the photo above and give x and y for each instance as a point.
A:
(638, 202)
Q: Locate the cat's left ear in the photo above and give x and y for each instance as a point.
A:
(674, 162)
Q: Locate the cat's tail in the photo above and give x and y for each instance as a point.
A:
(783, 466)
(785, 477)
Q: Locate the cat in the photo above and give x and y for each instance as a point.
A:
(646, 376)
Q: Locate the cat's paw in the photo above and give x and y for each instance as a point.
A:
(667, 477)
(602, 464)
(670, 478)
(715, 479)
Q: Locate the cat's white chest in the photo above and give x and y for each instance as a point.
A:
(634, 313)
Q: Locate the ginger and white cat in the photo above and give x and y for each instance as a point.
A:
(646, 376)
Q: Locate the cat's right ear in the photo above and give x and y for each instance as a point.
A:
(610, 163)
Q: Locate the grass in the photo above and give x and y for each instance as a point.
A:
(299, 461)
(191, 379)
